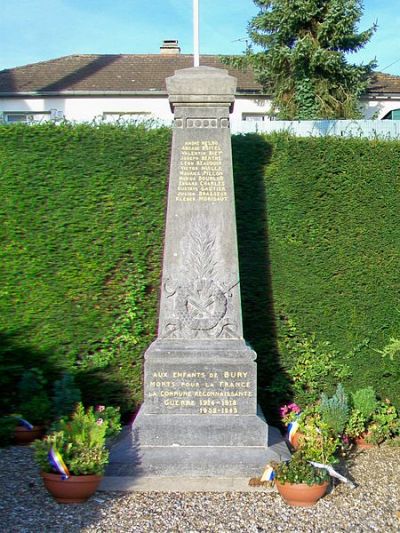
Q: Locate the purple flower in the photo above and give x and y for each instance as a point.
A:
(100, 408)
(99, 421)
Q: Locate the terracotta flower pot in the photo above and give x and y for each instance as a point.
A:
(301, 495)
(362, 443)
(296, 440)
(75, 489)
(24, 436)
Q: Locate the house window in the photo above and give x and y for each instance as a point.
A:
(254, 117)
(392, 115)
(12, 117)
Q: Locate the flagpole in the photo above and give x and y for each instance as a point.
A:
(196, 53)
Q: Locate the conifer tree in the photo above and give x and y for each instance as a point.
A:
(303, 61)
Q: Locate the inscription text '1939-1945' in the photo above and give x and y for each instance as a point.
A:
(201, 177)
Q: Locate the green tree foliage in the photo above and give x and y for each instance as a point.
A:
(303, 59)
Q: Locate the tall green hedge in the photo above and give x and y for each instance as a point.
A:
(333, 209)
(82, 217)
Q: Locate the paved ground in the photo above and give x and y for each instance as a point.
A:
(374, 505)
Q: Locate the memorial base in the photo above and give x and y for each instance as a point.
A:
(196, 446)
(199, 418)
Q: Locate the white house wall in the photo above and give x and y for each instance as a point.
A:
(379, 107)
(88, 108)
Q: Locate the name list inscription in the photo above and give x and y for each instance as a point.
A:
(201, 177)
(201, 392)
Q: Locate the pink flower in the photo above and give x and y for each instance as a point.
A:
(284, 410)
(99, 421)
(100, 408)
(294, 407)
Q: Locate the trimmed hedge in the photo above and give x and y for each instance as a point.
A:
(333, 219)
(82, 231)
(82, 222)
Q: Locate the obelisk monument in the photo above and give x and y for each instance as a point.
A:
(199, 417)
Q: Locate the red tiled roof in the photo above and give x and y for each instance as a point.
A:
(97, 73)
(384, 84)
(130, 73)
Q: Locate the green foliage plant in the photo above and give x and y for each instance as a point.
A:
(81, 442)
(314, 363)
(323, 195)
(66, 394)
(317, 441)
(299, 470)
(7, 427)
(364, 401)
(31, 383)
(384, 425)
(335, 411)
(37, 410)
(112, 416)
(376, 420)
(391, 349)
(82, 229)
(356, 424)
(303, 57)
(33, 401)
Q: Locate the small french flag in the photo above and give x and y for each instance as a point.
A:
(268, 474)
(292, 430)
(57, 462)
(25, 423)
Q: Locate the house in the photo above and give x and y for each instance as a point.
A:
(132, 86)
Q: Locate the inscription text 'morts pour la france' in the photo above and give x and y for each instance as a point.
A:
(201, 176)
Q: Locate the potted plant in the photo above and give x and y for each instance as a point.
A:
(35, 416)
(384, 425)
(371, 422)
(73, 457)
(299, 482)
(34, 407)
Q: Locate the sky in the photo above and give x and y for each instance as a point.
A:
(38, 30)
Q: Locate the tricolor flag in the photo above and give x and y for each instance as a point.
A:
(268, 474)
(25, 423)
(292, 430)
(57, 462)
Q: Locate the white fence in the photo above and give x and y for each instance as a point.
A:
(370, 129)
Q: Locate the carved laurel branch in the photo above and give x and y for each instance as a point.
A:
(200, 262)
(201, 301)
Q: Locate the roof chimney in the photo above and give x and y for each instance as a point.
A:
(170, 47)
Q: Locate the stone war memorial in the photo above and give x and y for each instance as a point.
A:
(199, 418)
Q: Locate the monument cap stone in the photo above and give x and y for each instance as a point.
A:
(201, 85)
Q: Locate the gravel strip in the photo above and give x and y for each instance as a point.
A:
(25, 505)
